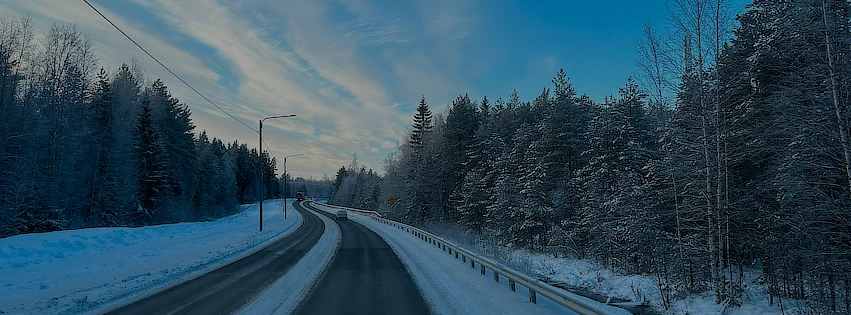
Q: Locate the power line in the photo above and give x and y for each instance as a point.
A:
(166, 68)
(269, 150)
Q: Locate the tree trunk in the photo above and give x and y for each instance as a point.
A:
(837, 107)
(831, 286)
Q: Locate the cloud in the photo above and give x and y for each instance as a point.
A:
(112, 48)
(352, 70)
(312, 68)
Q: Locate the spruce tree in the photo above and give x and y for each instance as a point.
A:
(152, 175)
(422, 124)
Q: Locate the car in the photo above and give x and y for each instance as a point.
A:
(341, 215)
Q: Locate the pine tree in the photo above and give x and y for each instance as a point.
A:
(477, 190)
(176, 129)
(152, 173)
(102, 205)
(458, 137)
(416, 161)
(422, 124)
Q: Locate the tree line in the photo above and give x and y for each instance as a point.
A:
(81, 146)
(733, 155)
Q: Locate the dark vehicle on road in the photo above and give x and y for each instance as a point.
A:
(300, 196)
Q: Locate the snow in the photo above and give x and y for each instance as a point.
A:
(284, 295)
(589, 275)
(596, 278)
(449, 285)
(93, 270)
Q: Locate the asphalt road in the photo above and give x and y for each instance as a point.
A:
(229, 288)
(364, 277)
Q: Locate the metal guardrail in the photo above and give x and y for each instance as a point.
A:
(570, 301)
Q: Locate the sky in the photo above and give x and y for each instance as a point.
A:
(353, 70)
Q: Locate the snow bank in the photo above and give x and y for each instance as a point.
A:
(592, 276)
(91, 270)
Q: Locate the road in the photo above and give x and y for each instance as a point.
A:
(229, 288)
(364, 277)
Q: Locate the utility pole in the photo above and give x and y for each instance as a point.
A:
(262, 193)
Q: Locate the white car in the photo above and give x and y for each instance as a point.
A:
(341, 215)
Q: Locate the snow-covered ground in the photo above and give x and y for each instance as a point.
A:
(283, 296)
(596, 278)
(92, 270)
(451, 286)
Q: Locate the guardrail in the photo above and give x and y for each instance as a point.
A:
(580, 305)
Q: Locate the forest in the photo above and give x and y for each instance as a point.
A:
(81, 146)
(733, 154)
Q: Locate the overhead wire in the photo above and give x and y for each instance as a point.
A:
(268, 149)
(167, 68)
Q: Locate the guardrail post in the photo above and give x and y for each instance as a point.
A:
(456, 254)
(533, 297)
(495, 276)
(512, 285)
(463, 258)
(483, 271)
(472, 263)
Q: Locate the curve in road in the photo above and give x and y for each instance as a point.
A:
(364, 277)
(229, 288)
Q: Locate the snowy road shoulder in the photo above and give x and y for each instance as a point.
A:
(283, 296)
(92, 270)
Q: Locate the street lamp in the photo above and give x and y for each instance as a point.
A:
(285, 182)
(262, 193)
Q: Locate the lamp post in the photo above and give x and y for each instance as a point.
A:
(285, 182)
(262, 192)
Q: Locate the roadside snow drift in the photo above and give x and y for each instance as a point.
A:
(92, 270)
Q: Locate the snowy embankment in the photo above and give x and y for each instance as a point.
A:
(451, 286)
(92, 270)
(595, 278)
(284, 295)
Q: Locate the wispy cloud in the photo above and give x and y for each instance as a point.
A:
(307, 67)
(350, 69)
(375, 31)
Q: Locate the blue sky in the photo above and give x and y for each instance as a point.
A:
(353, 70)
